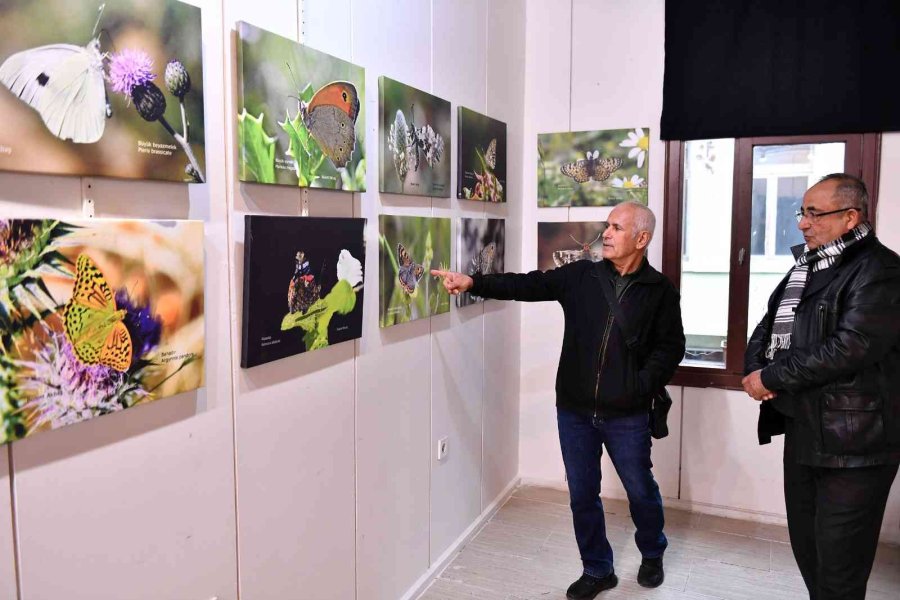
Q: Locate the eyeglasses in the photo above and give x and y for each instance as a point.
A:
(814, 215)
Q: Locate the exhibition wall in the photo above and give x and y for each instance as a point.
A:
(579, 80)
(313, 476)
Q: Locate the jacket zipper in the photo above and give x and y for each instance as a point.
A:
(603, 344)
(821, 309)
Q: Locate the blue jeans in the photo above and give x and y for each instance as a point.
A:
(627, 439)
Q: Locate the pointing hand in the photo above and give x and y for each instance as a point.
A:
(454, 283)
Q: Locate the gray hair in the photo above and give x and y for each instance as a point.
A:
(644, 219)
(850, 192)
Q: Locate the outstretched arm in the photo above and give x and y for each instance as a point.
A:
(535, 286)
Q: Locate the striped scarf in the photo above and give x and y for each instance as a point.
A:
(810, 261)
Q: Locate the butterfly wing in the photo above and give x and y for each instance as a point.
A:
(117, 348)
(576, 170)
(331, 119)
(409, 273)
(91, 323)
(564, 257)
(91, 289)
(64, 84)
(334, 131)
(605, 167)
(487, 258)
(340, 94)
(490, 155)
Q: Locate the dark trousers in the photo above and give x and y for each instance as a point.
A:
(627, 439)
(834, 518)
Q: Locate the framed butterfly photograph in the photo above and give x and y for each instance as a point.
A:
(593, 168)
(109, 88)
(96, 317)
(301, 114)
(414, 138)
(409, 247)
(562, 243)
(303, 285)
(481, 248)
(481, 161)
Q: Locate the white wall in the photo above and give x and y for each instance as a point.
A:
(711, 459)
(313, 476)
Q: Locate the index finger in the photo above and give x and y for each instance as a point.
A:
(439, 273)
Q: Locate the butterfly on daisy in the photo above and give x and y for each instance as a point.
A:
(591, 167)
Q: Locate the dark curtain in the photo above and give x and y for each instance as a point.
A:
(743, 68)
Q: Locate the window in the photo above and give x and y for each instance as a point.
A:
(729, 228)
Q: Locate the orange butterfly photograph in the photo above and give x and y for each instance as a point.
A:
(96, 317)
(300, 118)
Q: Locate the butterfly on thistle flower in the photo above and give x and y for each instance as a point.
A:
(591, 167)
(303, 290)
(409, 273)
(93, 323)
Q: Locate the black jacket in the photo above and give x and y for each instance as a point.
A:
(623, 383)
(841, 374)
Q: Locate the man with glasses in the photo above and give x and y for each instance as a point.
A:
(825, 363)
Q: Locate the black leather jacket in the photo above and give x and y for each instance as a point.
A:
(597, 374)
(842, 371)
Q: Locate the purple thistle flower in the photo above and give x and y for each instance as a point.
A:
(145, 329)
(61, 390)
(129, 69)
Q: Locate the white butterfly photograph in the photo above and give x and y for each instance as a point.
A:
(414, 137)
(481, 158)
(481, 248)
(593, 168)
(102, 88)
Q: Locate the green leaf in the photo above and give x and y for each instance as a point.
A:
(257, 148)
(303, 149)
(314, 322)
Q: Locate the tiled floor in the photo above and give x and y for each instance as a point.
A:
(528, 552)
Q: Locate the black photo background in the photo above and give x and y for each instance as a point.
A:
(290, 310)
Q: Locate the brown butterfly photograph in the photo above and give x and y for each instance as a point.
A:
(300, 114)
(593, 168)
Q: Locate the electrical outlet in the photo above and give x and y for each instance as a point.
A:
(442, 448)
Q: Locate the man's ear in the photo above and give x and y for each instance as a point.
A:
(643, 240)
(854, 218)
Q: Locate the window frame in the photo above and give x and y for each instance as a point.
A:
(862, 154)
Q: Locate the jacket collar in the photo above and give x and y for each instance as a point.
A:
(826, 277)
(645, 273)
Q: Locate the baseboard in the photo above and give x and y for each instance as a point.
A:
(447, 557)
(888, 535)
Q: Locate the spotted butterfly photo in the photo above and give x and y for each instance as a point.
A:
(593, 168)
(301, 114)
(102, 88)
(96, 317)
(482, 249)
(414, 141)
(481, 164)
(409, 247)
(569, 241)
(303, 285)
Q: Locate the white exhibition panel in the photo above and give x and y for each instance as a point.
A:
(139, 502)
(505, 74)
(7, 548)
(294, 418)
(459, 64)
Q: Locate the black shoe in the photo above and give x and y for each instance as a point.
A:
(651, 575)
(587, 586)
